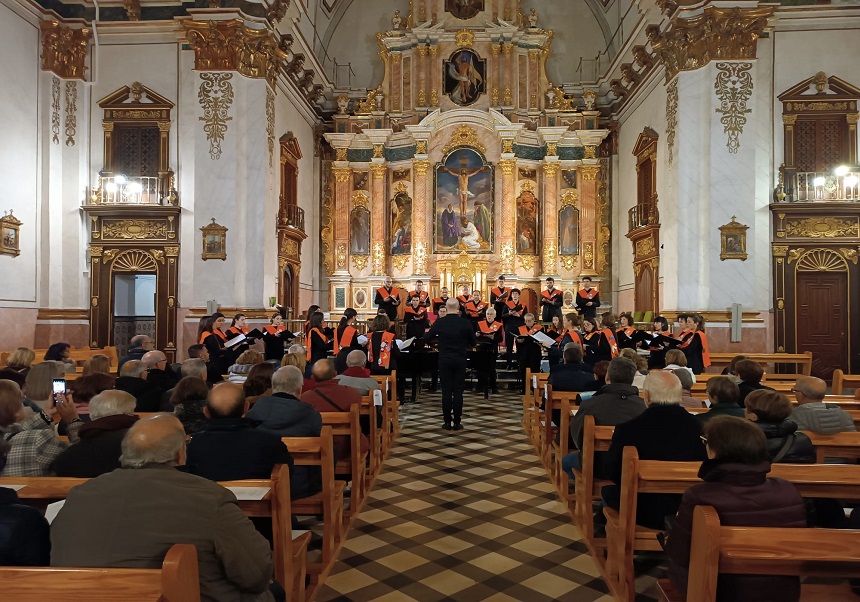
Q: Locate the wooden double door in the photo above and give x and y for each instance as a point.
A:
(822, 309)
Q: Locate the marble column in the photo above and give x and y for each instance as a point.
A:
(509, 66)
(342, 192)
(377, 218)
(507, 247)
(496, 69)
(550, 220)
(420, 244)
(435, 75)
(588, 174)
(422, 76)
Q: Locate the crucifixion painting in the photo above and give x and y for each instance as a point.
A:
(464, 203)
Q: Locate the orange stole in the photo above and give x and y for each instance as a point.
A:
(205, 334)
(309, 340)
(384, 359)
(274, 330)
(489, 328)
(383, 292)
(527, 332)
(345, 338)
(237, 331)
(550, 295)
(610, 338)
(706, 357)
(588, 294)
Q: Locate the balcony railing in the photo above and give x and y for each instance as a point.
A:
(641, 215)
(843, 185)
(135, 190)
(293, 216)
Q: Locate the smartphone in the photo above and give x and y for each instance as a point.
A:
(59, 387)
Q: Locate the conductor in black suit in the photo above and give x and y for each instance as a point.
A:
(456, 338)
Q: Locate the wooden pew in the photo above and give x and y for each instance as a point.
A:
(763, 551)
(346, 424)
(586, 487)
(369, 410)
(840, 445)
(319, 451)
(177, 580)
(534, 390)
(623, 535)
(801, 361)
(391, 410)
(842, 380)
(566, 402)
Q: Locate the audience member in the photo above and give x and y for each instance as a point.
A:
(18, 365)
(132, 379)
(25, 538)
(87, 387)
(675, 359)
(299, 360)
(770, 411)
(99, 447)
(34, 445)
(194, 367)
(723, 395)
(200, 352)
(737, 486)
(731, 370)
(600, 370)
(616, 402)
(159, 374)
(356, 375)
(96, 364)
(664, 431)
(750, 373)
(812, 414)
(259, 382)
(111, 521)
(641, 365)
(573, 374)
(189, 402)
(330, 396)
(38, 386)
(60, 352)
(687, 399)
(283, 414)
(238, 372)
(230, 448)
(138, 346)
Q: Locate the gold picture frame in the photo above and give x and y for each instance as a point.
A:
(214, 241)
(10, 235)
(733, 240)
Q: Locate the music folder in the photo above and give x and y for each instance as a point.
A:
(255, 334)
(235, 341)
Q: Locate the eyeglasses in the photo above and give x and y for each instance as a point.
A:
(704, 439)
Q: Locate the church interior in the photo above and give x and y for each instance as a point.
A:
(167, 160)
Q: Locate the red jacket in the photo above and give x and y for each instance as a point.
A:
(331, 396)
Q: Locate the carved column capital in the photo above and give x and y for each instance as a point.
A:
(64, 49)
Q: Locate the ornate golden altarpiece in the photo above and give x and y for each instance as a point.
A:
(466, 162)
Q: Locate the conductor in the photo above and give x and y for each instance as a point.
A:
(456, 339)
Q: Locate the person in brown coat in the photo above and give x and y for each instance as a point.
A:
(737, 486)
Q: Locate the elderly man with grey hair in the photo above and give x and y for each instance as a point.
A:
(664, 431)
(133, 379)
(98, 451)
(160, 374)
(139, 345)
(356, 375)
(812, 414)
(147, 505)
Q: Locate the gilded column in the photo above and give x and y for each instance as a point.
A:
(377, 218)
(588, 216)
(422, 76)
(533, 78)
(508, 65)
(506, 250)
(342, 192)
(420, 246)
(550, 220)
(495, 93)
(435, 75)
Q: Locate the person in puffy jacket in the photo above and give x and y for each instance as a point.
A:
(737, 486)
(770, 410)
(25, 538)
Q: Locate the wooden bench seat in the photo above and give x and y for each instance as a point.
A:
(839, 445)
(347, 424)
(802, 362)
(717, 549)
(586, 487)
(391, 410)
(177, 580)
(842, 380)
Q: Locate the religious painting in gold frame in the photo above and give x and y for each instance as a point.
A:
(464, 205)
(10, 229)
(214, 241)
(733, 241)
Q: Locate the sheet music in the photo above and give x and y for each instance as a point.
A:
(362, 340)
(299, 333)
(249, 493)
(541, 338)
(235, 341)
(406, 343)
(52, 510)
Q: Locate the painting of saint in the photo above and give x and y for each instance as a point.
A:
(527, 225)
(401, 224)
(464, 203)
(465, 77)
(568, 177)
(568, 231)
(359, 231)
(464, 9)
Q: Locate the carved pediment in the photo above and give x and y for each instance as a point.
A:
(646, 143)
(136, 95)
(820, 87)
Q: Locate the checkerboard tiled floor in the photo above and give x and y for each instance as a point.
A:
(468, 515)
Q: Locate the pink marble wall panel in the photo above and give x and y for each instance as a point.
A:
(19, 328)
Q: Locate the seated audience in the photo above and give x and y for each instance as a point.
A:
(200, 352)
(138, 346)
(131, 516)
(299, 360)
(18, 365)
(737, 486)
(34, 445)
(96, 364)
(750, 373)
(616, 402)
(600, 371)
(159, 373)
(812, 414)
(98, 450)
(283, 414)
(189, 401)
(25, 538)
(330, 396)
(87, 387)
(641, 366)
(238, 372)
(38, 386)
(230, 448)
(732, 369)
(664, 431)
(676, 359)
(687, 399)
(573, 374)
(770, 411)
(60, 352)
(133, 379)
(259, 382)
(723, 395)
(356, 375)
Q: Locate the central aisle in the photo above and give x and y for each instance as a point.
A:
(464, 515)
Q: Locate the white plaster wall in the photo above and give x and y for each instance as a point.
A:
(19, 154)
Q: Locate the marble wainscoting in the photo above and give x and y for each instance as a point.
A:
(19, 327)
(756, 337)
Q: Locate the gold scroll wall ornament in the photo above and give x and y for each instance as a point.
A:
(378, 259)
(419, 257)
(464, 38)
(64, 50)
(359, 261)
(326, 225)
(133, 229)
(233, 46)
(849, 254)
(55, 110)
(464, 135)
(215, 97)
(644, 247)
(588, 256)
(549, 255)
(270, 123)
(734, 87)
(71, 112)
(822, 227)
(527, 261)
(340, 257)
(400, 261)
(506, 257)
(671, 118)
(568, 262)
(604, 233)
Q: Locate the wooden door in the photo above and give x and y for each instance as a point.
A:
(822, 320)
(820, 144)
(644, 290)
